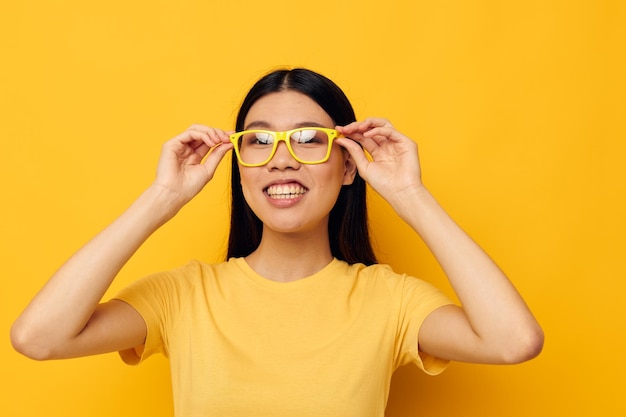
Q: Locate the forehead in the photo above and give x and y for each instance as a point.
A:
(285, 109)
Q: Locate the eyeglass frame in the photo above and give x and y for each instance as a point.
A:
(284, 136)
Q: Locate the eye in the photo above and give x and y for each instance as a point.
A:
(305, 136)
(262, 138)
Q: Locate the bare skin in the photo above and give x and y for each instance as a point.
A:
(493, 325)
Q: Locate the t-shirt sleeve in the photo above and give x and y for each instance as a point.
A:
(419, 299)
(158, 299)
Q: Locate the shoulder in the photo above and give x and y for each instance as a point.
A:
(382, 273)
(378, 277)
(181, 279)
(384, 278)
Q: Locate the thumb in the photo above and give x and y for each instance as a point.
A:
(215, 156)
(356, 152)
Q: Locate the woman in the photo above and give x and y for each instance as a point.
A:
(300, 320)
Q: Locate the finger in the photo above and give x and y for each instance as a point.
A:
(215, 136)
(368, 144)
(196, 142)
(385, 131)
(380, 135)
(369, 123)
(378, 122)
(353, 128)
(360, 132)
(204, 128)
(384, 134)
(216, 156)
(365, 125)
(212, 132)
(189, 144)
(356, 152)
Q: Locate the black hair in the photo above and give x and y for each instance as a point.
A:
(347, 226)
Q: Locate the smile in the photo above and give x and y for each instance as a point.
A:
(285, 191)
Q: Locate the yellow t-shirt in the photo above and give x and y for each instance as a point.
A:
(241, 345)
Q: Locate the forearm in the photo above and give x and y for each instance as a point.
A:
(63, 307)
(493, 307)
(494, 325)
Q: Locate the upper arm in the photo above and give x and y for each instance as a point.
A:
(446, 333)
(114, 326)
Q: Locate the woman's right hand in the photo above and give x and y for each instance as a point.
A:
(65, 319)
(181, 169)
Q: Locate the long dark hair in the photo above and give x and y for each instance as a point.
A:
(347, 225)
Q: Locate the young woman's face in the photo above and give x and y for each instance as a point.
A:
(286, 195)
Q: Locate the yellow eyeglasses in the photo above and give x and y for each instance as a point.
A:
(307, 145)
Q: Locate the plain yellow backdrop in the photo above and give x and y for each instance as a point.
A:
(518, 109)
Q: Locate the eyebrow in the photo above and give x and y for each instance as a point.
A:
(260, 124)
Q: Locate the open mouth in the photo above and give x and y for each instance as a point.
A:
(285, 191)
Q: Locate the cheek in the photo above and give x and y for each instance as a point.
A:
(330, 178)
(336, 167)
(246, 180)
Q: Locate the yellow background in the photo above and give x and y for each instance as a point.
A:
(518, 108)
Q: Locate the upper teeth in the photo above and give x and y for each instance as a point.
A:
(285, 191)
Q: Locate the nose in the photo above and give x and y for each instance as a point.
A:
(282, 158)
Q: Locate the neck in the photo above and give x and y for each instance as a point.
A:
(289, 257)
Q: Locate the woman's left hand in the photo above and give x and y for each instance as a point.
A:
(494, 325)
(394, 166)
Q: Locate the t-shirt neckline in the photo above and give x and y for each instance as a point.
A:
(251, 274)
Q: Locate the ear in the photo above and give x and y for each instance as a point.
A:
(349, 168)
